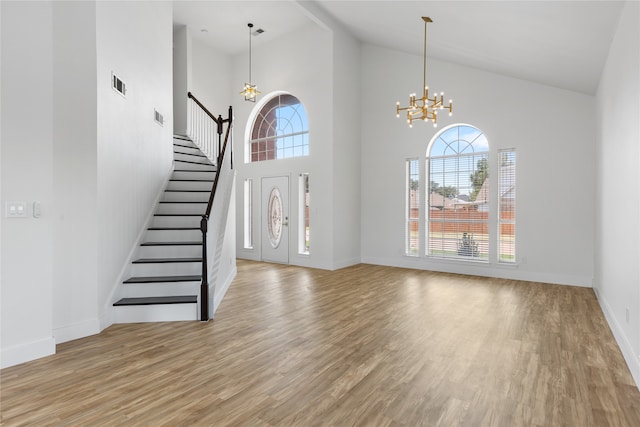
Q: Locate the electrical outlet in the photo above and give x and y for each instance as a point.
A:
(37, 209)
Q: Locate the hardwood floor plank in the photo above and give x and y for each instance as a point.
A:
(362, 346)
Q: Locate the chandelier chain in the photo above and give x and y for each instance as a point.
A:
(250, 91)
(250, 27)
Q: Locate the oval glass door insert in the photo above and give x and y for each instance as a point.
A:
(275, 217)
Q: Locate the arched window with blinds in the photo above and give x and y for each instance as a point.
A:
(457, 208)
(280, 130)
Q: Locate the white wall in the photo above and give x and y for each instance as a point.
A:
(95, 160)
(617, 279)
(201, 70)
(211, 78)
(221, 239)
(346, 148)
(182, 77)
(27, 175)
(344, 62)
(551, 129)
(227, 269)
(134, 153)
(299, 63)
(75, 258)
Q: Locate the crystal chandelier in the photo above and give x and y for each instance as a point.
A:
(424, 108)
(250, 91)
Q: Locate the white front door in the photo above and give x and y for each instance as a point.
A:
(275, 219)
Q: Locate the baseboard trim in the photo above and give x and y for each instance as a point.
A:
(621, 338)
(106, 318)
(27, 352)
(221, 291)
(76, 330)
(345, 263)
(485, 270)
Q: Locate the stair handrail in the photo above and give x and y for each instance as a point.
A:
(204, 285)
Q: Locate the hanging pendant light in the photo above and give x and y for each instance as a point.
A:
(250, 91)
(424, 108)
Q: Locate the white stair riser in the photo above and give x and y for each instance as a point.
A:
(182, 208)
(137, 290)
(173, 196)
(190, 185)
(166, 269)
(193, 166)
(182, 140)
(186, 141)
(172, 235)
(176, 221)
(155, 313)
(169, 251)
(189, 158)
(185, 147)
(191, 174)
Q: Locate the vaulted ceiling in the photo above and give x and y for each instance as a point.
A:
(558, 43)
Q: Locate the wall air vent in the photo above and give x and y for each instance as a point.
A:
(158, 117)
(118, 85)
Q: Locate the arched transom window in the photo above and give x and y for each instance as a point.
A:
(458, 194)
(280, 130)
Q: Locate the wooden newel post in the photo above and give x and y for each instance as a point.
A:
(204, 285)
(220, 122)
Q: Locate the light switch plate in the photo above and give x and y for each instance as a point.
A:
(16, 209)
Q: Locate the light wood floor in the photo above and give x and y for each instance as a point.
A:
(366, 345)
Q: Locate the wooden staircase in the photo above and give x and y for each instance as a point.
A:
(166, 276)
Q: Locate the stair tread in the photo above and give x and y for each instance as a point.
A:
(185, 146)
(189, 154)
(179, 243)
(165, 260)
(194, 170)
(190, 180)
(195, 163)
(179, 299)
(162, 279)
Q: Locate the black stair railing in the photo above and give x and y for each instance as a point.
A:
(221, 150)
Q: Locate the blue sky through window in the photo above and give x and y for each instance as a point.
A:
(454, 156)
(291, 123)
(281, 130)
(461, 139)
